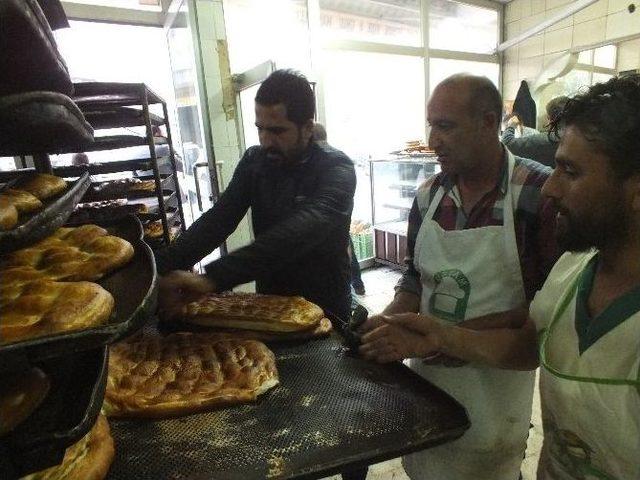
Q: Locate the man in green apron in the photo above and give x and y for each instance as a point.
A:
(587, 314)
(480, 244)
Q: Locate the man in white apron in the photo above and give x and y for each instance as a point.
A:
(588, 312)
(480, 243)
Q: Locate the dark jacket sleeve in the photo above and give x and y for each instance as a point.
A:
(211, 229)
(410, 280)
(295, 236)
(538, 147)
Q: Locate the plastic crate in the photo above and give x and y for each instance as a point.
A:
(362, 245)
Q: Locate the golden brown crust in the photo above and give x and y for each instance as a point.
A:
(22, 200)
(83, 253)
(43, 185)
(153, 229)
(88, 459)
(20, 394)
(253, 311)
(323, 329)
(8, 214)
(182, 373)
(38, 308)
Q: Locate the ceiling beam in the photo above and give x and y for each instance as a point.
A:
(99, 13)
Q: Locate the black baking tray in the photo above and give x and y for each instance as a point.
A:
(68, 412)
(134, 288)
(38, 225)
(332, 411)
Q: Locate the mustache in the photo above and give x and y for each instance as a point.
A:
(272, 152)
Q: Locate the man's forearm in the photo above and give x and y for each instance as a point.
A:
(510, 319)
(403, 302)
(508, 348)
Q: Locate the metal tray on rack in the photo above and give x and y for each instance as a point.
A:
(44, 222)
(134, 288)
(332, 411)
(69, 411)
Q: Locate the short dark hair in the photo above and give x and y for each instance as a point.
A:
(292, 89)
(483, 94)
(608, 115)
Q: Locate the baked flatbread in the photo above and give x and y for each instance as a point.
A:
(20, 394)
(43, 185)
(253, 311)
(88, 459)
(83, 253)
(37, 308)
(8, 214)
(23, 200)
(323, 329)
(183, 373)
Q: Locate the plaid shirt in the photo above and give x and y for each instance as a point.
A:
(534, 219)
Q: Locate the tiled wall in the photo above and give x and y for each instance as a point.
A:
(605, 20)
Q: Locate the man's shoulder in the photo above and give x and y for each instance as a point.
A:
(326, 154)
(529, 172)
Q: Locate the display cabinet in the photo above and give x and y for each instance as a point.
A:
(394, 182)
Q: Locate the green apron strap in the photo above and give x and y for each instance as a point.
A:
(559, 312)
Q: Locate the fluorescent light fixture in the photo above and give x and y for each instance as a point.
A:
(571, 9)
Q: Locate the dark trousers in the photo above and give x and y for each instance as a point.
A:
(356, 474)
(356, 277)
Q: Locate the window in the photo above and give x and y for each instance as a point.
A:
(382, 21)
(259, 30)
(463, 28)
(152, 5)
(441, 68)
(374, 103)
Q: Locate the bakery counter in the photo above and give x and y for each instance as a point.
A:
(331, 411)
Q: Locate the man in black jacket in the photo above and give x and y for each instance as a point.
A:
(301, 197)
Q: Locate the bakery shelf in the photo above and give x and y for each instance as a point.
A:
(134, 288)
(120, 117)
(104, 95)
(69, 411)
(44, 222)
(112, 167)
(332, 411)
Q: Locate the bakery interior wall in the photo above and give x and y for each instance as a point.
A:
(587, 47)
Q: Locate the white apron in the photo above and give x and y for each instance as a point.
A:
(466, 274)
(590, 401)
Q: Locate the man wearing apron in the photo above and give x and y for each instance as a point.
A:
(480, 242)
(588, 312)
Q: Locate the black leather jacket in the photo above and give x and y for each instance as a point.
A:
(300, 215)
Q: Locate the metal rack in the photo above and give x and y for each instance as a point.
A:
(107, 105)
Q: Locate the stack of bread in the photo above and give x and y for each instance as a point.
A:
(27, 196)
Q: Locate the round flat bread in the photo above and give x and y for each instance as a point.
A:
(88, 459)
(20, 394)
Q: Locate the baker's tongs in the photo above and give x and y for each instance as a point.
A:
(349, 329)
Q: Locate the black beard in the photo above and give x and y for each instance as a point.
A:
(581, 235)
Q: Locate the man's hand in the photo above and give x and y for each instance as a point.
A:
(514, 122)
(406, 335)
(178, 288)
(373, 322)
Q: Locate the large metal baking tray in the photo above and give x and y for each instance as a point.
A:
(134, 290)
(44, 222)
(332, 411)
(70, 410)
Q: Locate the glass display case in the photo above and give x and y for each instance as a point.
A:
(394, 182)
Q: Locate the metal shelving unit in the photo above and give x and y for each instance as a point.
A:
(109, 105)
